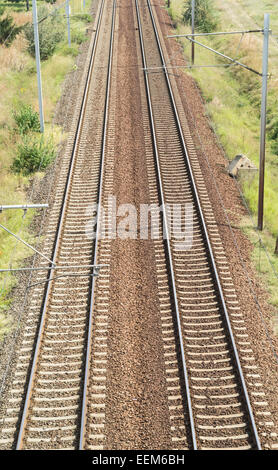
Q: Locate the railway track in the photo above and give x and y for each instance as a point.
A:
(60, 401)
(52, 413)
(218, 408)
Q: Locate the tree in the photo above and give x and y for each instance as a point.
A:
(276, 247)
(8, 29)
(205, 15)
(51, 32)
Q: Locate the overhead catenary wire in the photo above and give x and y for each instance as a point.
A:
(4, 282)
(25, 243)
(59, 277)
(252, 291)
(250, 69)
(57, 267)
(190, 66)
(217, 33)
(53, 12)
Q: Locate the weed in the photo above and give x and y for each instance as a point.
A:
(26, 119)
(4, 325)
(85, 17)
(67, 50)
(78, 36)
(33, 154)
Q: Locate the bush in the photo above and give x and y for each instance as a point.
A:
(51, 32)
(26, 119)
(205, 15)
(33, 155)
(14, 1)
(69, 50)
(8, 29)
(78, 36)
(274, 147)
(83, 17)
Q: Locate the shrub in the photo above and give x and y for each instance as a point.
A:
(273, 133)
(33, 154)
(51, 32)
(14, 1)
(8, 29)
(205, 15)
(69, 50)
(78, 36)
(26, 119)
(83, 17)
(274, 147)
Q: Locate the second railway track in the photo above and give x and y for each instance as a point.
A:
(219, 413)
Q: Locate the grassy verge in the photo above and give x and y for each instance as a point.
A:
(233, 103)
(18, 85)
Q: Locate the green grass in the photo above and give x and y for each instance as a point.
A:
(267, 274)
(18, 84)
(233, 104)
(17, 7)
(5, 325)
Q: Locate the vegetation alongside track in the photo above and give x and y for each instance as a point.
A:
(233, 103)
(232, 96)
(18, 88)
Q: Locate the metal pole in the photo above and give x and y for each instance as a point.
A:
(23, 207)
(193, 30)
(47, 268)
(68, 20)
(217, 33)
(225, 56)
(25, 243)
(263, 123)
(38, 61)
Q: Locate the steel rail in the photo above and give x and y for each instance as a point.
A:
(207, 241)
(98, 221)
(165, 219)
(58, 234)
